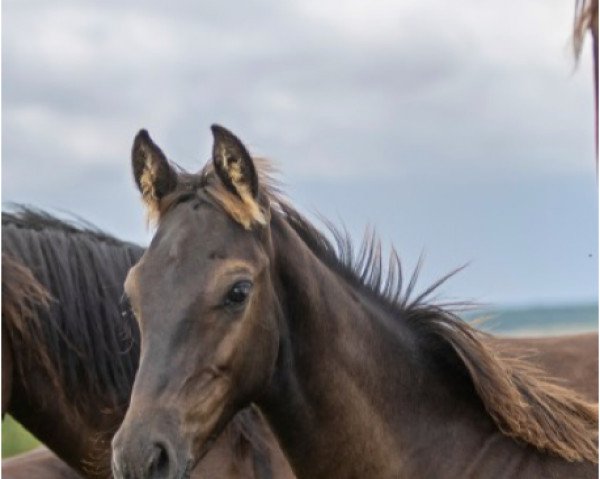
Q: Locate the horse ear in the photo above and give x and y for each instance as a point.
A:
(234, 165)
(153, 174)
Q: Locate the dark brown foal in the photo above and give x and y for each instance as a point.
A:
(240, 299)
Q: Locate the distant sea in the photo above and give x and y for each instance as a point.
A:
(539, 320)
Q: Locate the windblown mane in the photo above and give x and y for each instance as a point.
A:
(77, 333)
(523, 403)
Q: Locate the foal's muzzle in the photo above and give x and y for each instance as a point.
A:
(145, 451)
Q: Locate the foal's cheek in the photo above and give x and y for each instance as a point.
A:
(229, 351)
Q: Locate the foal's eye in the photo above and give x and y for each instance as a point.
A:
(238, 294)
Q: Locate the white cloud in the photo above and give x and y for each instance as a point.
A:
(408, 92)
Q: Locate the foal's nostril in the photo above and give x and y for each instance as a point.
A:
(158, 464)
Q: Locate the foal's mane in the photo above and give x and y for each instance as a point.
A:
(523, 403)
(78, 333)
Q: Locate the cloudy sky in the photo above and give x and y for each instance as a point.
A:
(461, 129)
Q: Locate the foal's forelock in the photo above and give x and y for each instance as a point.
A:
(243, 209)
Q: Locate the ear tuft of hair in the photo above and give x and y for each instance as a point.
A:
(233, 163)
(154, 176)
(236, 170)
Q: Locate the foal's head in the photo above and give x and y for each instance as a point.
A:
(205, 304)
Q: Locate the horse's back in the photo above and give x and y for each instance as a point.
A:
(39, 463)
(572, 359)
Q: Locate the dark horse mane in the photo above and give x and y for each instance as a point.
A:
(77, 334)
(522, 402)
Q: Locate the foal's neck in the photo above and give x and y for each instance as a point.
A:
(353, 394)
